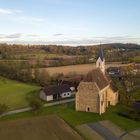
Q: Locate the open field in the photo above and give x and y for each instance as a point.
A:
(13, 93)
(40, 128)
(135, 59)
(80, 69)
(68, 113)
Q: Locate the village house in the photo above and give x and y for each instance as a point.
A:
(96, 92)
(54, 92)
(113, 71)
(136, 68)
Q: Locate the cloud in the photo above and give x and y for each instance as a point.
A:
(73, 40)
(10, 36)
(29, 19)
(4, 11)
(15, 15)
(17, 35)
(58, 34)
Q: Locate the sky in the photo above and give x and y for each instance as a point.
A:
(69, 22)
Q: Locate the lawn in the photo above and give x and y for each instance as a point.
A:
(13, 93)
(73, 118)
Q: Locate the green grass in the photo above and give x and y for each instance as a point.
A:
(73, 118)
(13, 93)
(136, 94)
(135, 59)
(40, 55)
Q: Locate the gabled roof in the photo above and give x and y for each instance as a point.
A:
(56, 89)
(101, 54)
(98, 77)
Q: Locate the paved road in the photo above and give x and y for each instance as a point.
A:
(45, 105)
(102, 131)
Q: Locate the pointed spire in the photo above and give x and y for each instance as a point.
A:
(100, 63)
(101, 53)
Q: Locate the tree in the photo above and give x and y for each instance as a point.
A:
(44, 78)
(3, 108)
(35, 104)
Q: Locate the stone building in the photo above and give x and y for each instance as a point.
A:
(96, 92)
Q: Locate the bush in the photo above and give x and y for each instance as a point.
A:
(35, 104)
(3, 108)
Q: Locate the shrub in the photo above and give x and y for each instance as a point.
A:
(3, 108)
(35, 104)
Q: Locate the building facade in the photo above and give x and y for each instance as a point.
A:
(96, 92)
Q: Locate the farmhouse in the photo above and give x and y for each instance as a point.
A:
(54, 92)
(96, 92)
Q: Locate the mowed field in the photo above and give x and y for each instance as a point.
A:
(39, 128)
(13, 93)
(80, 69)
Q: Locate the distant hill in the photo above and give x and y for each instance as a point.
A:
(124, 46)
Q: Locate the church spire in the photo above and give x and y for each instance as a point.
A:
(100, 63)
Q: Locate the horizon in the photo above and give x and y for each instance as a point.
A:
(74, 23)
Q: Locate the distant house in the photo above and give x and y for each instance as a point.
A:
(113, 71)
(96, 92)
(55, 92)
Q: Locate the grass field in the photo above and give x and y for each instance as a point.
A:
(80, 69)
(40, 128)
(68, 113)
(135, 59)
(40, 55)
(13, 93)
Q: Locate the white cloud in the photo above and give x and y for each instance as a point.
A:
(63, 39)
(29, 19)
(17, 15)
(4, 11)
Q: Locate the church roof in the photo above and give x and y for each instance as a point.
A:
(98, 77)
(101, 54)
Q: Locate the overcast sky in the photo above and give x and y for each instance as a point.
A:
(73, 22)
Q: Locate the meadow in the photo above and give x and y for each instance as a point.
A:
(14, 94)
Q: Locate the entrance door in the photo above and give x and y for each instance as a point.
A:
(88, 109)
(108, 103)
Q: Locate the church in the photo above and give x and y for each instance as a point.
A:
(96, 91)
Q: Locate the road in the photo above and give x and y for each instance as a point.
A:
(45, 105)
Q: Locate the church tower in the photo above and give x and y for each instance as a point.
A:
(100, 63)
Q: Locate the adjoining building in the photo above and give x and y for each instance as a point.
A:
(96, 92)
(54, 92)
